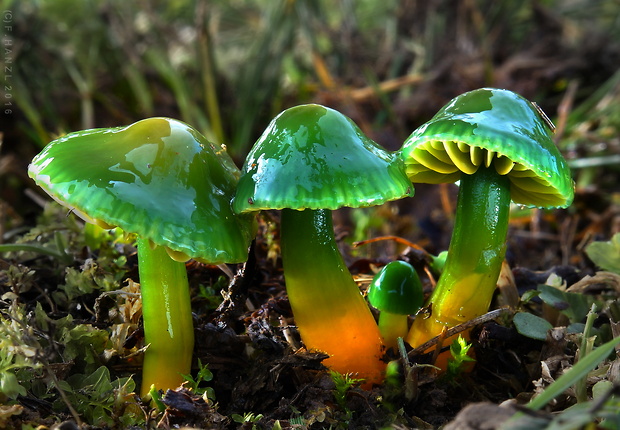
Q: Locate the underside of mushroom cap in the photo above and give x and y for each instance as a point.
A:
(158, 178)
(314, 157)
(491, 127)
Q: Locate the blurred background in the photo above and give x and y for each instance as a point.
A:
(227, 67)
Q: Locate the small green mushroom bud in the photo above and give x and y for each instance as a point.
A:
(396, 291)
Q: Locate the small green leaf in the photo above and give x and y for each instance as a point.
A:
(9, 385)
(98, 381)
(458, 350)
(343, 383)
(156, 399)
(82, 343)
(574, 305)
(532, 326)
(601, 389)
(203, 375)
(529, 295)
(606, 255)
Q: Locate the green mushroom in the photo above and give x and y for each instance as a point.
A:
(162, 180)
(499, 146)
(309, 161)
(396, 291)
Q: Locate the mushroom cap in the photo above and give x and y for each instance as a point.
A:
(314, 157)
(495, 127)
(396, 289)
(158, 178)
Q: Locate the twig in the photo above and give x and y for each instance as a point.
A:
(489, 316)
(385, 87)
(394, 238)
(65, 399)
(405, 242)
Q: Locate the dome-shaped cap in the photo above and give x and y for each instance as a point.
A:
(396, 289)
(314, 157)
(492, 127)
(158, 178)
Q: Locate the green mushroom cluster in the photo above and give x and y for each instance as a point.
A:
(185, 199)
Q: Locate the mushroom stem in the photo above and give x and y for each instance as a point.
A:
(330, 312)
(392, 326)
(167, 316)
(477, 249)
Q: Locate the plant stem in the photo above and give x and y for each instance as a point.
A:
(581, 387)
(392, 326)
(477, 249)
(330, 312)
(167, 314)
